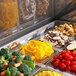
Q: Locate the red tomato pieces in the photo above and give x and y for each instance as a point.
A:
(62, 52)
(55, 57)
(68, 68)
(62, 66)
(74, 58)
(69, 57)
(65, 61)
(56, 62)
(60, 57)
(73, 67)
(73, 63)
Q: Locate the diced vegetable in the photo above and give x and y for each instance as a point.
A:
(16, 53)
(8, 73)
(3, 73)
(18, 64)
(13, 59)
(29, 63)
(48, 73)
(5, 64)
(18, 72)
(21, 74)
(13, 65)
(37, 49)
(13, 70)
(24, 69)
(19, 59)
(28, 57)
(5, 52)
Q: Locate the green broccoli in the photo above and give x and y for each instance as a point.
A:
(28, 57)
(2, 67)
(13, 70)
(5, 52)
(11, 63)
(29, 63)
(16, 53)
(19, 59)
(10, 58)
(8, 73)
(18, 72)
(2, 59)
(24, 68)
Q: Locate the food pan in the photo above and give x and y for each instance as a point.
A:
(47, 68)
(49, 63)
(35, 35)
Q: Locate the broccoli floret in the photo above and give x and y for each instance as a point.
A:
(10, 58)
(16, 53)
(11, 63)
(2, 67)
(8, 73)
(19, 59)
(18, 72)
(13, 70)
(29, 63)
(2, 59)
(5, 52)
(28, 57)
(24, 69)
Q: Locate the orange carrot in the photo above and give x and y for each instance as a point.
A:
(3, 73)
(13, 59)
(21, 74)
(23, 56)
(15, 56)
(17, 64)
(5, 64)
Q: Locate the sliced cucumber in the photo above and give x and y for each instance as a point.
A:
(71, 46)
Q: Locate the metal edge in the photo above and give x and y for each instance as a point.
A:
(24, 32)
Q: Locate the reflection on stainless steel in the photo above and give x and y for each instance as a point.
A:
(27, 9)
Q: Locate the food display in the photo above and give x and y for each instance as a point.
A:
(66, 61)
(38, 50)
(66, 29)
(30, 48)
(15, 64)
(56, 38)
(8, 14)
(48, 73)
(72, 46)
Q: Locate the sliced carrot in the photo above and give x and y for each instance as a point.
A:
(21, 74)
(15, 56)
(21, 62)
(3, 73)
(17, 64)
(23, 56)
(5, 64)
(13, 59)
